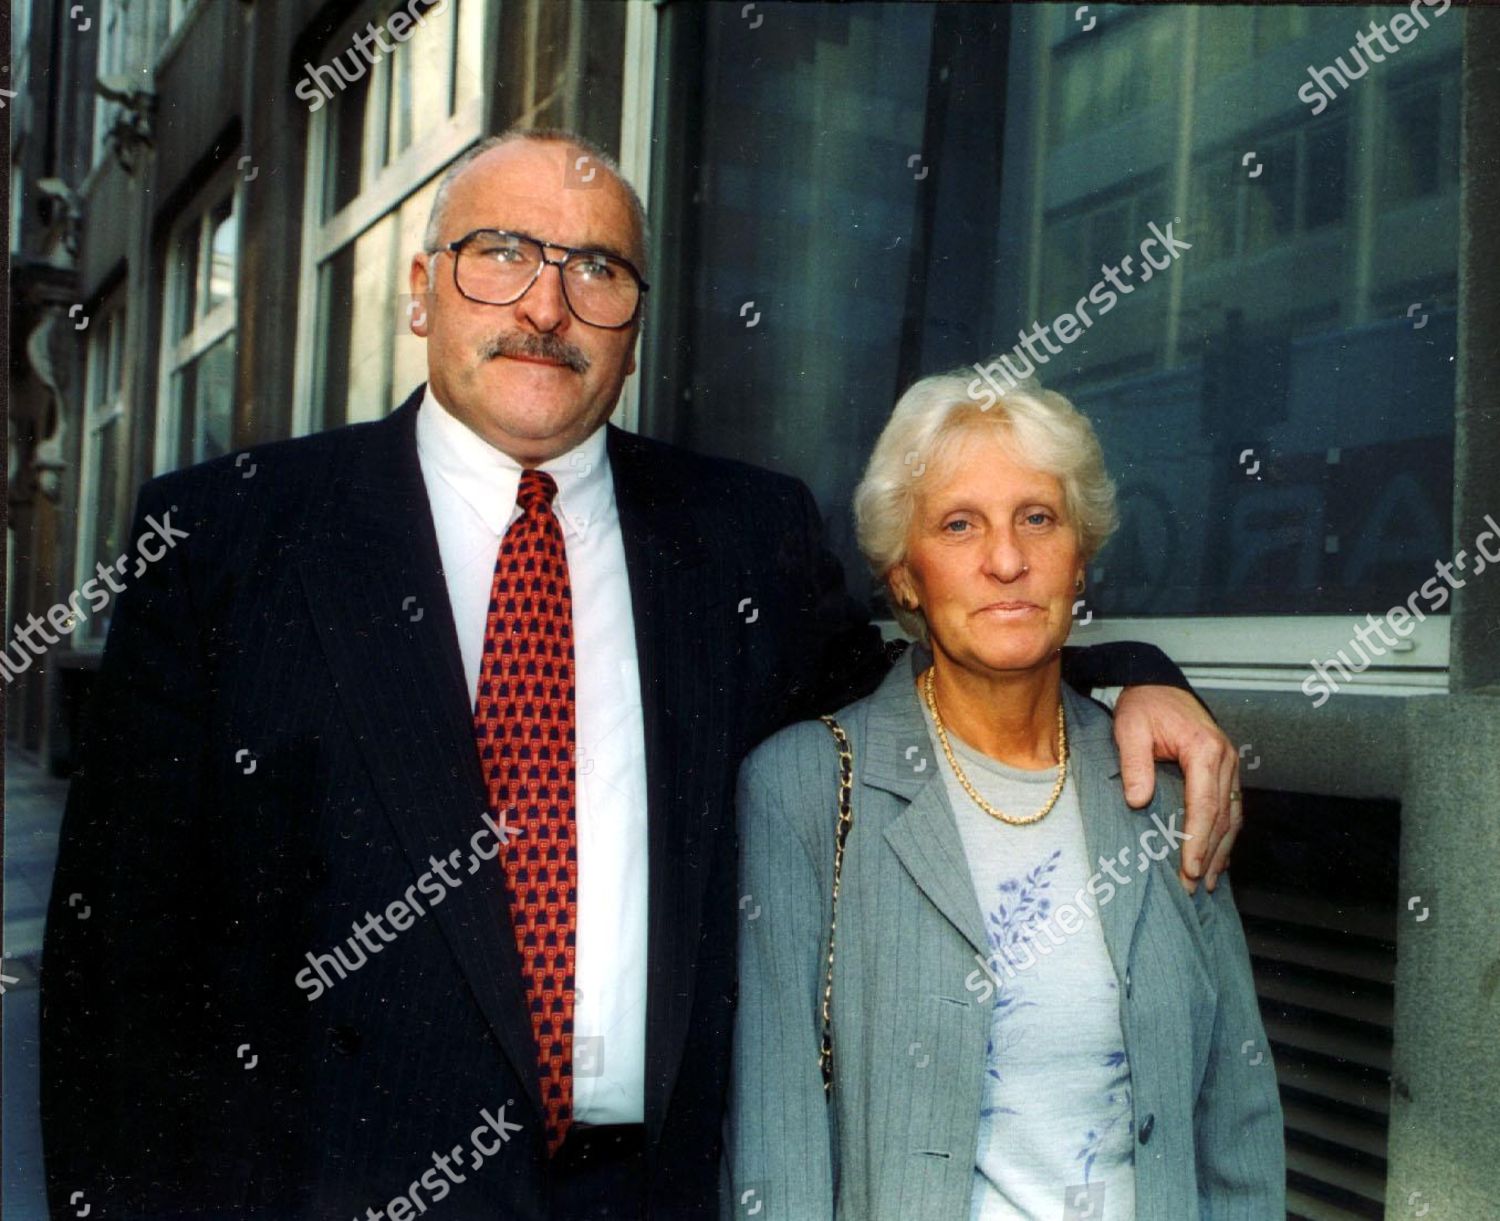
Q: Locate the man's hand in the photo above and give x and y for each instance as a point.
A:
(1169, 723)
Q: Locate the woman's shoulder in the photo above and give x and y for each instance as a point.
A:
(798, 754)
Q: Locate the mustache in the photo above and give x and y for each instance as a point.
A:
(537, 347)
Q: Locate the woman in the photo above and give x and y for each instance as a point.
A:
(1030, 1017)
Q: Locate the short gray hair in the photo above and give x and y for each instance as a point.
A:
(1045, 429)
(432, 238)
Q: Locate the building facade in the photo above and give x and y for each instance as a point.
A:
(214, 202)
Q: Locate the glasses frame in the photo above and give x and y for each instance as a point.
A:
(455, 248)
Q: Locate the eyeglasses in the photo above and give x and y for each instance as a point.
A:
(496, 267)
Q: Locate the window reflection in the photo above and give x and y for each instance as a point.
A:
(1043, 152)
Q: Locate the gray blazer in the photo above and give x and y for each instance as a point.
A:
(910, 1004)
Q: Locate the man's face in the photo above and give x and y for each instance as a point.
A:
(528, 377)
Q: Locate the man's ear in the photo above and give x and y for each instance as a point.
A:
(420, 281)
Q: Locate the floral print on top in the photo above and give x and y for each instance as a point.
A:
(1056, 1127)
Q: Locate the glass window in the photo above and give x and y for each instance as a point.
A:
(101, 522)
(387, 138)
(1420, 146)
(199, 348)
(178, 12)
(1279, 339)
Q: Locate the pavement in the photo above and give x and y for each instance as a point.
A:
(33, 813)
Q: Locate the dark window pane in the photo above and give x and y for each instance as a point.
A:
(188, 274)
(1413, 149)
(1326, 174)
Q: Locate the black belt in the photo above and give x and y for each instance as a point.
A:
(599, 1174)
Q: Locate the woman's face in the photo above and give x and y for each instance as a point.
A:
(992, 559)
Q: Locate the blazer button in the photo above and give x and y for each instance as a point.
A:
(1146, 1127)
(1127, 982)
(344, 1039)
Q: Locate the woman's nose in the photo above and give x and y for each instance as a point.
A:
(1004, 558)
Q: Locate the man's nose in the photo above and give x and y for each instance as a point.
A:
(544, 307)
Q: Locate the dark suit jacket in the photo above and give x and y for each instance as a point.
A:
(282, 741)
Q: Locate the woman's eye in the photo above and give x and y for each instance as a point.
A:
(1038, 517)
(957, 526)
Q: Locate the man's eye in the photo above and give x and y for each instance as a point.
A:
(592, 269)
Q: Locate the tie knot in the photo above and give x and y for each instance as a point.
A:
(536, 491)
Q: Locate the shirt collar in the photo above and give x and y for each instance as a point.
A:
(487, 478)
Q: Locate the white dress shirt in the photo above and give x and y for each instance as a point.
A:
(471, 487)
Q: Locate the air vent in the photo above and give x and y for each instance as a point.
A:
(1318, 902)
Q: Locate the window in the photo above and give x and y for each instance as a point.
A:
(377, 148)
(1283, 339)
(1133, 66)
(178, 11)
(1421, 140)
(101, 525)
(198, 337)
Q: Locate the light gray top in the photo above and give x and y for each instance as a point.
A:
(1056, 1105)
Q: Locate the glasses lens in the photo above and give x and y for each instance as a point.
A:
(602, 290)
(496, 267)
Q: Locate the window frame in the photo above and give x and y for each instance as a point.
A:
(103, 403)
(383, 187)
(205, 329)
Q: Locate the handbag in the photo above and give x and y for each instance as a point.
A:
(846, 820)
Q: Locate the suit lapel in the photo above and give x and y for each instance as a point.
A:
(377, 595)
(672, 592)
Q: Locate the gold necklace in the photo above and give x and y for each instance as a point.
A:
(1001, 815)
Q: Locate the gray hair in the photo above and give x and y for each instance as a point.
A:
(432, 238)
(1046, 430)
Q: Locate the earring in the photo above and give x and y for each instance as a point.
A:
(1078, 588)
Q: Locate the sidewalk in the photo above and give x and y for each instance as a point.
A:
(33, 813)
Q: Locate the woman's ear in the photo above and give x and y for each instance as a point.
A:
(898, 583)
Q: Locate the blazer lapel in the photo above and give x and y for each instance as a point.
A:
(924, 836)
(672, 594)
(1111, 828)
(377, 595)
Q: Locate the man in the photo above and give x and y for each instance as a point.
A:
(406, 832)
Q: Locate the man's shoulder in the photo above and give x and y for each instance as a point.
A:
(270, 468)
(691, 473)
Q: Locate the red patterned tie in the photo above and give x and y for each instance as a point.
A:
(524, 726)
